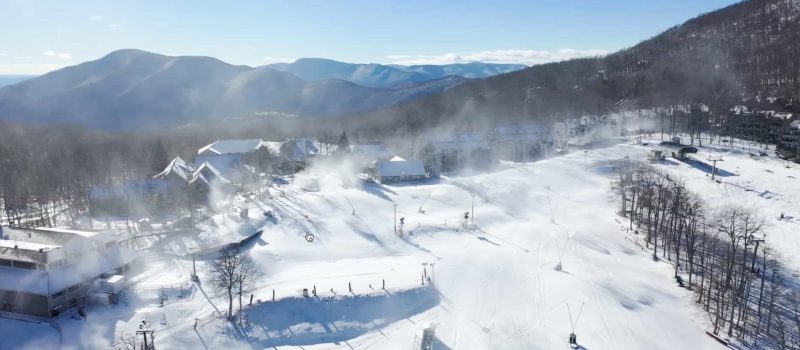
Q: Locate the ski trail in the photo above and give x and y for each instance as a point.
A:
(609, 334)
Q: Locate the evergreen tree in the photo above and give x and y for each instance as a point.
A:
(344, 143)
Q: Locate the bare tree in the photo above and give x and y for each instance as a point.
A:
(233, 272)
(248, 274)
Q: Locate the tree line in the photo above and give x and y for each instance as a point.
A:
(47, 172)
(719, 253)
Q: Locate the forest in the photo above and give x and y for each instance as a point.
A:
(720, 253)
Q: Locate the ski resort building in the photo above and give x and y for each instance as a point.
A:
(177, 172)
(461, 150)
(46, 271)
(295, 153)
(234, 160)
(398, 170)
(789, 145)
(521, 143)
(757, 125)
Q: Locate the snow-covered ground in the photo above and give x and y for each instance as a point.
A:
(495, 282)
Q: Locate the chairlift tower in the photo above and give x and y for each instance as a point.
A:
(714, 160)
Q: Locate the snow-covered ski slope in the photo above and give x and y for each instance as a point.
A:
(497, 283)
(496, 286)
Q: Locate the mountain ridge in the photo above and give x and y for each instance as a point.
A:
(385, 76)
(133, 89)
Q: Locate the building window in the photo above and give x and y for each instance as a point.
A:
(25, 265)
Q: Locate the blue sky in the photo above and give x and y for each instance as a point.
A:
(38, 35)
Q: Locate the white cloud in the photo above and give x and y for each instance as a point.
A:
(3, 54)
(51, 53)
(528, 57)
(29, 68)
(26, 58)
(114, 26)
(270, 60)
(95, 18)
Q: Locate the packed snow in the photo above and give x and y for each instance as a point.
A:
(494, 279)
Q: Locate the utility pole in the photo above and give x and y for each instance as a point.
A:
(194, 266)
(472, 215)
(395, 217)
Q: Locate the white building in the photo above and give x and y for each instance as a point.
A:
(231, 157)
(398, 170)
(177, 171)
(46, 271)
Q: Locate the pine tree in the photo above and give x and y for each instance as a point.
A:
(343, 144)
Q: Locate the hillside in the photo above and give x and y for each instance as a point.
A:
(132, 89)
(6, 79)
(746, 50)
(388, 76)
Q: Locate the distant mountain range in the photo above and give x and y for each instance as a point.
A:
(134, 89)
(388, 76)
(13, 79)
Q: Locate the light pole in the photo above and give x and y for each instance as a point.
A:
(395, 217)
(194, 266)
(472, 216)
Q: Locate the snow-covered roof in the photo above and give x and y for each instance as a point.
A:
(23, 245)
(400, 168)
(274, 147)
(86, 266)
(231, 147)
(207, 174)
(94, 235)
(178, 167)
(795, 124)
(26, 251)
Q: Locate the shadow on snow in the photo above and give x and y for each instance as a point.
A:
(306, 321)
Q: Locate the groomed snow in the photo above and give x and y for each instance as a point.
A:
(496, 286)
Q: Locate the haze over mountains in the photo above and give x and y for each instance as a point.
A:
(747, 50)
(133, 89)
(388, 76)
(9, 79)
